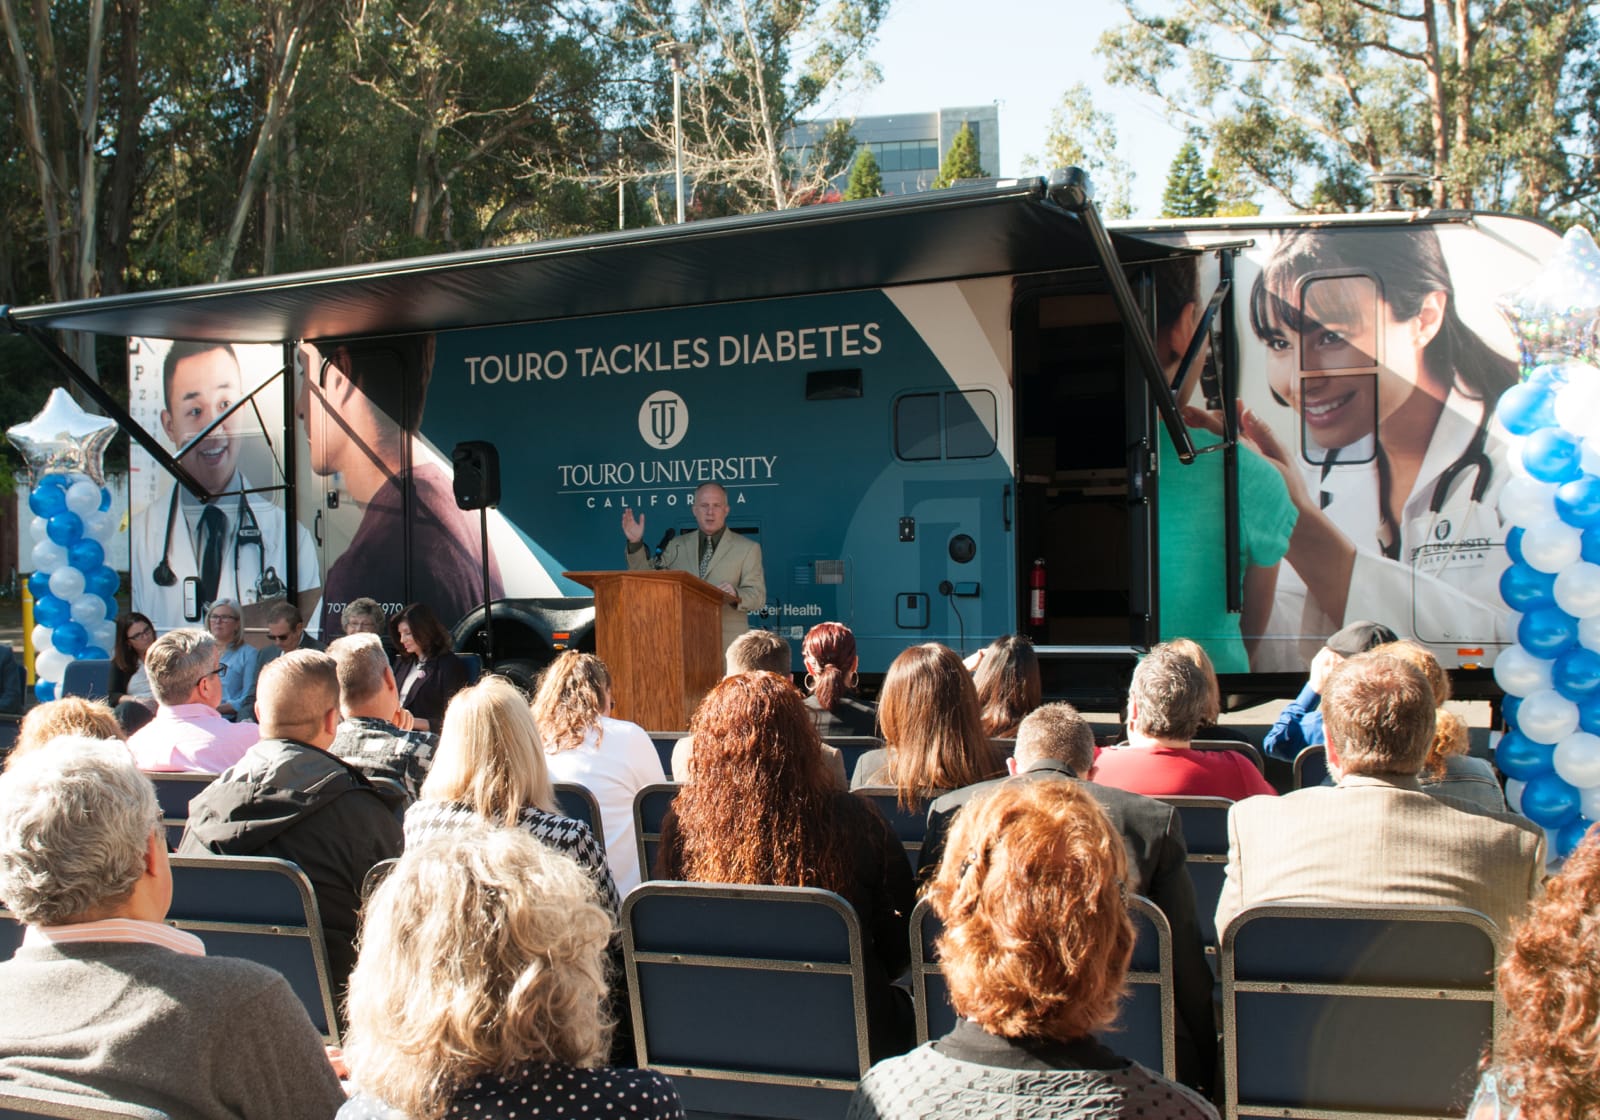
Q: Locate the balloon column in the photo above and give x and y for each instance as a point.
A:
(1551, 506)
(73, 589)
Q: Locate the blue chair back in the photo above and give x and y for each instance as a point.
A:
(173, 794)
(664, 741)
(1355, 1011)
(579, 803)
(474, 666)
(753, 999)
(851, 748)
(89, 679)
(910, 825)
(1311, 767)
(262, 910)
(1205, 833)
(1236, 747)
(11, 931)
(18, 1102)
(650, 807)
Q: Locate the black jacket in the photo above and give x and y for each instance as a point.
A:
(443, 676)
(289, 800)
(1157, 855)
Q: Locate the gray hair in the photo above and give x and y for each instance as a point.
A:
(1057, 731)
(75, 824)
(1171, 694)
(362, 663)
(176, 661)
(369, 609)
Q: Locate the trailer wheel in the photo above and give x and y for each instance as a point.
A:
(522, 673)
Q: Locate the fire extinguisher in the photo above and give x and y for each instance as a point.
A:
(1036, 595)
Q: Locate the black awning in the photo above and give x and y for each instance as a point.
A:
(938, 235)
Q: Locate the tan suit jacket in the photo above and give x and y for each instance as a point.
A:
(1379, 841)
(737, 562)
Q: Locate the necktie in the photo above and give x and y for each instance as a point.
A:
(213, 529)
(706, 548)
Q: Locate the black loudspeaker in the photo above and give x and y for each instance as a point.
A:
(477, 482)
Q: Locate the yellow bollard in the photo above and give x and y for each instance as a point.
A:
(27, 633)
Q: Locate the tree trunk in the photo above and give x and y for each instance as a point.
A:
(1433, 65)
(117, 222)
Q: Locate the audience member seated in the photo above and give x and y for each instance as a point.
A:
(1299, 725)
(103, 998)
(242, 659)
(490, 768)
(1376, 837)
(71, 715)
(1035, 951)
(611, 758)
(481, 991)
(188, 733)
(765, 809)
(1209, 730)
(1547, 1051)
(429, 672)
(377, 735)
(363, 616)
(933, 735)
(1055, 743)
(1449, 771)
(128, 691)
(754, 651)
(1006, 676)
(11, 680)
(291, 799)
(830, 658)
(286, 631)
(1167, 700)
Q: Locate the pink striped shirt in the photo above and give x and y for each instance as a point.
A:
(117, 929)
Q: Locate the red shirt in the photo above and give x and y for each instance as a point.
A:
(1168, 772)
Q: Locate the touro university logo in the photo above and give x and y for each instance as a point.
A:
(663, 419)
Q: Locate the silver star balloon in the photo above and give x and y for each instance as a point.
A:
(1556, 313)
(63, 437)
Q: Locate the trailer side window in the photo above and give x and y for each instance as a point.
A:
(1338, 356)
(957, 424)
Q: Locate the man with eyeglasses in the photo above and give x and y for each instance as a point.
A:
(286, 631)
(188, 733)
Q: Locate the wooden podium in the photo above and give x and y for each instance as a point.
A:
(660, 634)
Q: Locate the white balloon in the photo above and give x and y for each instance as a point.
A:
(83, 498)
(1551, 546)
(100, 527)
(1577, 759)
(48, 556)
(88, 609)
(1589, 798)
(1577, 406)
(66, 583)
(1513, 445)
(1590, 461)
(1514, 794)
(104, 635)
(51, 665)
(1578, 589)
(1526, 502)
(1547, 716)
(42, 639)
(39, 528)
(1520, 673)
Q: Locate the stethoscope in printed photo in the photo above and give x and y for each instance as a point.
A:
(246, 534)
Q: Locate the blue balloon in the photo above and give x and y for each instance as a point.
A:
(1591, 545)
(1576, 675)
(87, 555)
(39, 585)
(1551, 374)
(51, 612)
(105, 499)
(1547, 632)
(1578, 502)
(1514, 544)
(111, 606)
(1548, 800)
(47, 501)
(1526, 408)
(44, 691)
(1525, 588)
(70, 638)
(1553, 455)
(1509, 706)
(1571, 835)
(59, 479)
(1521, 758)
(105, 582)
(94, 653)
(65, 528)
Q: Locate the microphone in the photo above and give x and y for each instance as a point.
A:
(661, 547)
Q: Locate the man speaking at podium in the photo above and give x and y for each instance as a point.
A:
(715, 553)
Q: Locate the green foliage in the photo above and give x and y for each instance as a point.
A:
(1190, 190)
(866, 181)
(1082, 136)
(961, 161)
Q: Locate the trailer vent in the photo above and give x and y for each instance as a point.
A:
(830, 571)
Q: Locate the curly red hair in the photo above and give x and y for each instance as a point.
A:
(1032, 895)
(1549, 1054)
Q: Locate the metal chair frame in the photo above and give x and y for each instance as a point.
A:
(19, 1102)
(647, 821)
(579, 803)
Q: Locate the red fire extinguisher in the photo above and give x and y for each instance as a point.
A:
(1036, 595)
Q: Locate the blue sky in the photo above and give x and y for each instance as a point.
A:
(1022, 54)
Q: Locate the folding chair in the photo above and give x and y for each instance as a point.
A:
(910, 825)
(753, 999)
(1236, 747)
(1355, 1011)
(89, 679)
(11, 931)
(173, 794)
(1310, 767)
(1146, 1026)
(264, 911)
(664, 741)
(375, 876)
(1205, 833)
(650, 806)
(579, 803)
(18, 1102)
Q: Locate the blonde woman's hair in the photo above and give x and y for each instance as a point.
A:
(480, 952)
(574, 692)
(71, 715)
(489, 757)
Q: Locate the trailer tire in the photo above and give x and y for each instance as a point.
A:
(522, 673)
